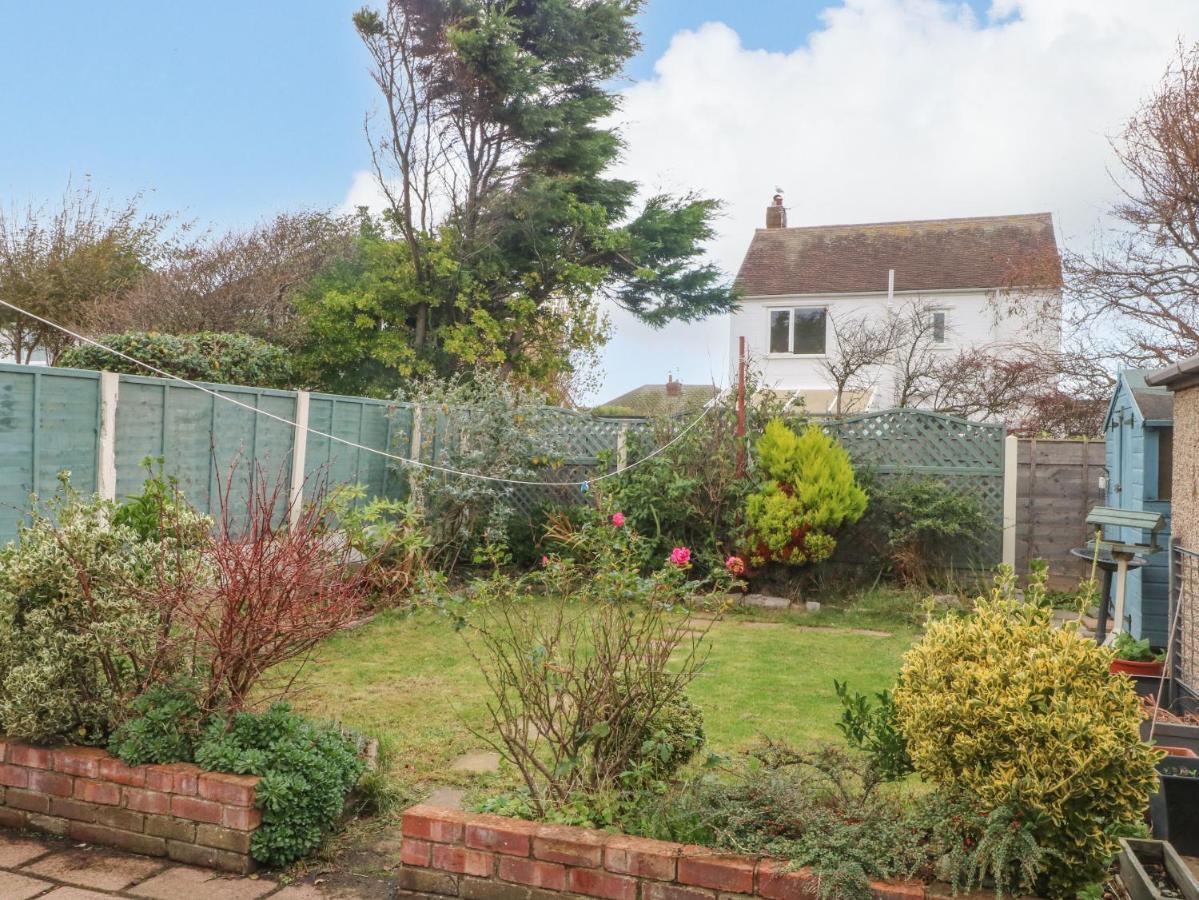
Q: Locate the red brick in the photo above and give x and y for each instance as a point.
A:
(642, 857)
(115, 817)
(231, 790)
(76, 810)
(116, 771)
(532, 872)
(26, 800)
(240, 818)
(33, 757)
(210, 857)
(171, 829)
(897, 890)
(196, 810)
(97, 792)
(461, 860)
(83, 761)
(595, 883)
(572, 846)
(13, 776)
(3, 749)
(11, 818)
(429, 823)
(662, 891)
(51, 783)
(728, 873)
(147, 801)
(414, 852)
(160, 778)
(114, 837)
(223, 838)
(509, 836)
(778, 881)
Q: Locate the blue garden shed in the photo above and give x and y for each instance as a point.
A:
(1140, 455)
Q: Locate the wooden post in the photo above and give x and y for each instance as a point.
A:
(106, 472)
(741, 407)
(1011, 446)
(299, 453)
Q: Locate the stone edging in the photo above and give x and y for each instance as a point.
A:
(485, 857)
(177, 810)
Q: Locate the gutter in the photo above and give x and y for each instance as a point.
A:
(1181, 375)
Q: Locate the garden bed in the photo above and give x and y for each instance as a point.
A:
(486, 857)
(177, 811)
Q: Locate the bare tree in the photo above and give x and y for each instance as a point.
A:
(239, 281)
(864, 344)
(62, 261)
(1144, 280)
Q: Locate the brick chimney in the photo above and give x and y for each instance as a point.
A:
(673, 388)
(776, 213)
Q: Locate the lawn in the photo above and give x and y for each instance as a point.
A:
(409, 680)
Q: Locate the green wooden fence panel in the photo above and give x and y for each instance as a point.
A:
(363, 421)
(49, 423)
(913, 442)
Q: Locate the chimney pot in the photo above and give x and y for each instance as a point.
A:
(673, 388)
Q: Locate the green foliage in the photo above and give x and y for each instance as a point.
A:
(206, 356)
(77, 642)
(159, 510)
(506, 272)
(306, 771)
(1007, 708)
(1129, 648)
(692, 495)
(165, 728)
(807, 493)
(873, 727)
(391, 535)
(924, 525)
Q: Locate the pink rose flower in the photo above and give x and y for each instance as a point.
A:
(545, 560)
(735, 565)
(618, 519)
(680, 556)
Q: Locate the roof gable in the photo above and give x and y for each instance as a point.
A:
(1151, 404)
(936, 254)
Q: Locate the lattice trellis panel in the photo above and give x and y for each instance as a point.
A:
(966, 455)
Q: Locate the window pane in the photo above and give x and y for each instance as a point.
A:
(779, 321)
(939, 327)
(809, 330)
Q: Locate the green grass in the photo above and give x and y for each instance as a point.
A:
(410, 681)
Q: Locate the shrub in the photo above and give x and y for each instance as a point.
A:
(231, 358)
(926, 524)
(390, 535)
(76, 642)
(165, 728)
(808, 492)
(873, 727)
(306, 772)
(1005, 707)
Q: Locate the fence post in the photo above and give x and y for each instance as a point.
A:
(622, 446)
(299, 453)
(1011, 445)
(106, 463)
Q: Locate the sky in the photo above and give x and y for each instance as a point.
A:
(229, 111)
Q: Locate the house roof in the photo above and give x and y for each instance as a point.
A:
(1155, 403)
(652, 400)
(935, 254)
(1181, 375)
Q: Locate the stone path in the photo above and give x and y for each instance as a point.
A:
(37, 867)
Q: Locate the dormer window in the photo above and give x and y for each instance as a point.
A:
(799, 331)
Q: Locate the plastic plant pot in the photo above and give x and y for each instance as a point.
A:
(1152, 668)
(1137, 857)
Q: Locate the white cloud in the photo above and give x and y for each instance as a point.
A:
(894, 109)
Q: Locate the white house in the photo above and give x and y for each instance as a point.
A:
(983, 283)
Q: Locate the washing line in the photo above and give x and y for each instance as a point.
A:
(403, 460)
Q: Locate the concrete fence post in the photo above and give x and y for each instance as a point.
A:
(1011, 447)
(299, 455)
(106, 463)
(622, 446)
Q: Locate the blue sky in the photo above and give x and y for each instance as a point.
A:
(230, 110)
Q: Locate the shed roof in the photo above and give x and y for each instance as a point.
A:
(933, 254)
(1155, 404)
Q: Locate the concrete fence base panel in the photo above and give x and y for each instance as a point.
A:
(177, 811)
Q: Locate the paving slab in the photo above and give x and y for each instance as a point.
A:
(21, 887)
(446, 798)
(72, 893)
(481, 762)
(101, 870)
(16, 851)
(187, 881)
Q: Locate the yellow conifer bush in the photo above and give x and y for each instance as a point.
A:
(1004, 706)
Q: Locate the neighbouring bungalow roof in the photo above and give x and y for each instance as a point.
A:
(935, 254)
(653, 400)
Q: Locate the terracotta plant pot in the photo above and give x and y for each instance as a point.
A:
(1185, 752)
(1129, 667)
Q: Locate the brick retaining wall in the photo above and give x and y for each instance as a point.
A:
(177, 810)
(483, 857)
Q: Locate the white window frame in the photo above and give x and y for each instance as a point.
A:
(948, 330)
(790, 308)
